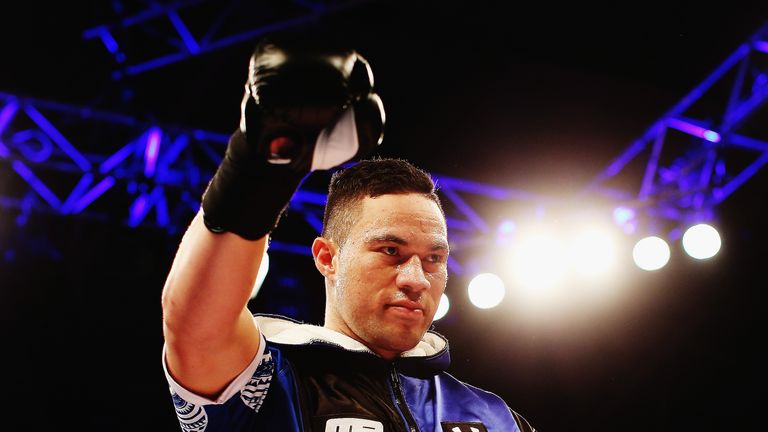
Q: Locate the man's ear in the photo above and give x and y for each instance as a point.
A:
(323, 251)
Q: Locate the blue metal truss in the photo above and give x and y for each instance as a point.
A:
(146, 162)
(701, 150)
(176, 35)
(141, 174)
(151, 175)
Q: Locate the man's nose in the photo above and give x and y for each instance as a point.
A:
(410, 275)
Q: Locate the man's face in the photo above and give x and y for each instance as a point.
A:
(390, 273)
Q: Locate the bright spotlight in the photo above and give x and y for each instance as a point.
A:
(701, 241)
(651, 253)
(593, 252)
(261, 275)
(442, 308)
(539, 261)
(486, 290)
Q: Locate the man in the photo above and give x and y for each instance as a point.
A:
(383, 251)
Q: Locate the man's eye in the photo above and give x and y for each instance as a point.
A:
(389, 250)
(436, 258)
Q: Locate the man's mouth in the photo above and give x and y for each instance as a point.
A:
(407, 308)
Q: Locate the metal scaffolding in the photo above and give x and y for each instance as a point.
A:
(701, 150)
(151, 175)
(67, 160)
(183, 29)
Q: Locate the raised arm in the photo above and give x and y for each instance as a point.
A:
(303, 110)
(210, 335)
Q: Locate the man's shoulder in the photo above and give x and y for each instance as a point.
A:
(456, 384)
(454, 388)
(522, 423)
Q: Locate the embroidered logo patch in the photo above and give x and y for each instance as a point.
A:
(463, 427)
(350, 424)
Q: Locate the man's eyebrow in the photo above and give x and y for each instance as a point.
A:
(391, 238)
(439, 245)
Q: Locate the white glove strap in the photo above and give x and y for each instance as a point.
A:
(337, 146)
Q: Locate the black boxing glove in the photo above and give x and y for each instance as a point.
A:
(303, 110)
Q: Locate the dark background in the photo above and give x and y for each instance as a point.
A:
(539, 98)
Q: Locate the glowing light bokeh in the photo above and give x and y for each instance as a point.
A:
(592, 252)
(442, 308)
(539, 261)
(701, 241)
(505, 232)
(507, 227)
(651, 253)
(486, 290)
(622, 215)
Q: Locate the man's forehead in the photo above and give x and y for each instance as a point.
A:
(402, 204)
(427, 217)
(407, 224)
(401, 215)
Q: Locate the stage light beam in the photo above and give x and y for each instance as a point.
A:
(651, 253)
(701, 241)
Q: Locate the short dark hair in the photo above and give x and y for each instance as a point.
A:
(370, 178)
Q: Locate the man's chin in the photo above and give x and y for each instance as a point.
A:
(395, 339)
(405, 343)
